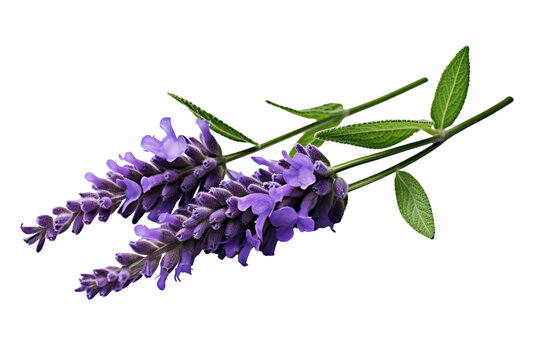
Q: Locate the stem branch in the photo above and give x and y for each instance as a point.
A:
(316, 124)
(441, 139)
(382, 154)
(388, 96)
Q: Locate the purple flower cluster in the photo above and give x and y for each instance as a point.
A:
(179, 168)
(232, 219)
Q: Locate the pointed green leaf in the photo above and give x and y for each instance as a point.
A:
(451, 91)
(215, 124)
(374, 135)
(309, 136)
(318, 112)
(414, 204)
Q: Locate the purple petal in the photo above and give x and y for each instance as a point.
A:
(170, 147)
(308, 203)
(130, 158)
(262, 161)
(204, 126)
(259, 225)
(301, 171)
(173, 148)
(132, 191)
(166, 125)
(111, 164)
(278, 193)
(150, 143)
(305, 223)
(149, 182)
(244, 254)
(163, 274)
(166, 218)
(273, 166)
(254, 241)
(261, 204)
(207, 138)
(147, 233)
(93, 179)
(284, 233)
(284, 217)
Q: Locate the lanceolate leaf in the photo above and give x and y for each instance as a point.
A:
(414, 204)
(323, 112)
(318, 113)
(451, 91)
(215, 124)
(374, 135)
(309, 136)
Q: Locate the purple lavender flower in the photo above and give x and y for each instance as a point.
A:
(300, 171)
(179, 168)
(170, 147)
(286, 219)
(232, 219)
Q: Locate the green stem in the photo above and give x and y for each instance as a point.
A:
(378, 176)
(316, 124)
(388, 96)
(445, 136)
(382, 154)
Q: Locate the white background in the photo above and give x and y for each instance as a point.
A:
(81, 82)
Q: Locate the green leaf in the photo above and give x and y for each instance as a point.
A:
(309, 136)
(414, 204)
(215, 124)
(451, 91)
(319, 112)
(374, 135)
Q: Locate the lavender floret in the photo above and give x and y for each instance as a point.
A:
(179, 168)
(239, 215)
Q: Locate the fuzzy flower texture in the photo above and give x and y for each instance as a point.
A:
(179, 168)
(238, 216)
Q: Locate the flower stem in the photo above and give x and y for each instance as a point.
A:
(316, 124)
(382, 154)
(439, 141)
(388, 96)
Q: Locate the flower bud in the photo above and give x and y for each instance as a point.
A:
(340, 188)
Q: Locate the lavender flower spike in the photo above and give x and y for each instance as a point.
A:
(179, 168)
(240, 215)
